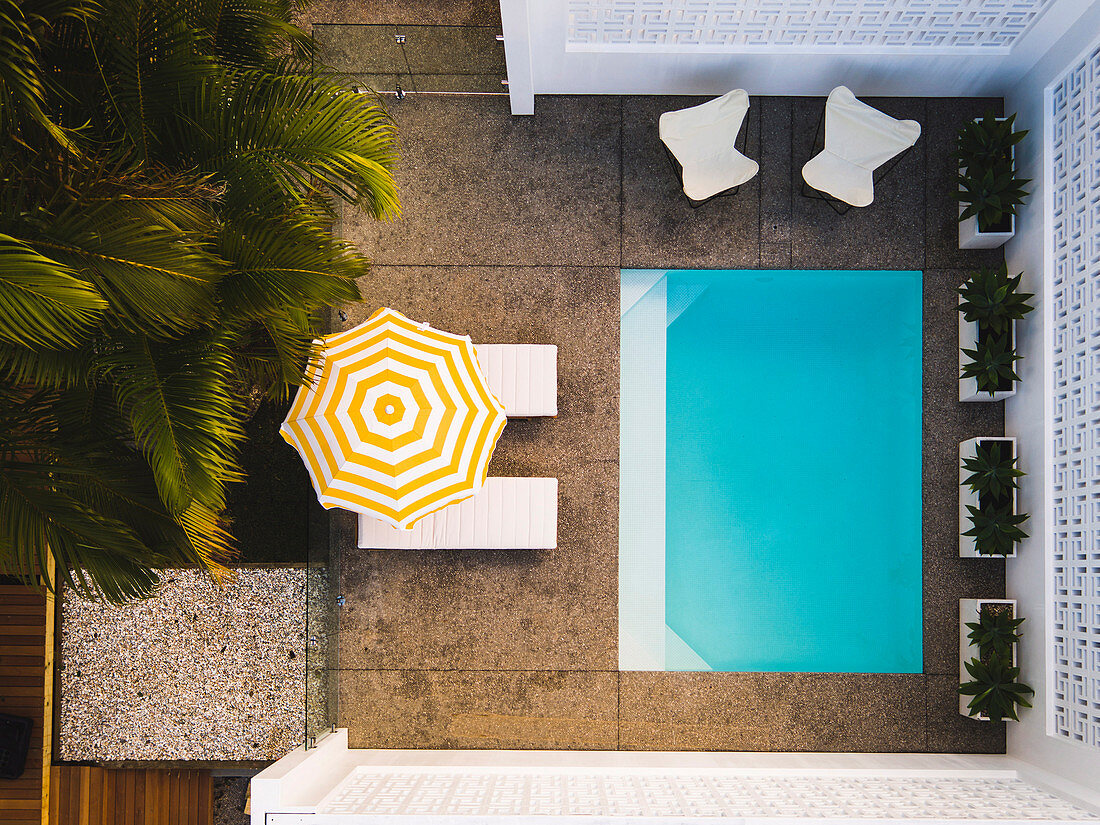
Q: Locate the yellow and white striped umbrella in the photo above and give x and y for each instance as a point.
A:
(399, 421)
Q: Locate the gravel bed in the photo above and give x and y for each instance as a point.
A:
(197, 672)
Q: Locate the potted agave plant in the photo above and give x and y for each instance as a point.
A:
(988, 190)
(988, 627)
(990, 304)
(988, 479)
(989, 632)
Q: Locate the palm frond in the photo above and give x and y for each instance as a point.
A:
(44, 303)
(176, 397)
(38, 508)
(296, 133)
(156, 277)
(273, 352)
(23, 98)
(148, 56)
(208, 538)
(249, 33)
(90, 458)
(44, 368)
(37, 520)
(182, 200)
(285, 263)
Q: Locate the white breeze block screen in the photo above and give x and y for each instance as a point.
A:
(985, 26)
(1075, 364)
(488, 793)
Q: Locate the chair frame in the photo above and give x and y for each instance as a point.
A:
(739, 143)
(839, 206)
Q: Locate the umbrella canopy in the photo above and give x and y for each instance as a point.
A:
(399, 421)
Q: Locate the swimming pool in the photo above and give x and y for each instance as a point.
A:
(770, 471)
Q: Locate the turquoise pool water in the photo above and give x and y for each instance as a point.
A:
(770, 460)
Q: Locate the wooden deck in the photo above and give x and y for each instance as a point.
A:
(85, 795)
(26, 636)
(75, 794)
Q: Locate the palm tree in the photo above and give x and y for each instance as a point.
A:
(170, 170)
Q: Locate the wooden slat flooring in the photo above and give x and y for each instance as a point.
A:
(73, 794)
(23, 677)
(85, 795)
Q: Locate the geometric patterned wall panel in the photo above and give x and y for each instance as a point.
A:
(1075, 302)
(438, 793)
(973, 25)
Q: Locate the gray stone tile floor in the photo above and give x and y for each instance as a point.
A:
(481, 187)
(514, 230)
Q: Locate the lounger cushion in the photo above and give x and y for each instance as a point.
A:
(858, 140)
(507, 514)
(702, 137)
(524, 377)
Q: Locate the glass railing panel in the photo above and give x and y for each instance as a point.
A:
(414, 58)
(322, 580)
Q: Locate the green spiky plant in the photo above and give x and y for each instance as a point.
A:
(996, 530)
(987, 140)
(992, 469)
(995, 689)
(987, 182)
(992, 363)
(995, 632)
(170, 177)
(992, 299)
(991, 195)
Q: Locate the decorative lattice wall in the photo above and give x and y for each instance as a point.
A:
(1075, 320)
(983, 25)
(546, 793)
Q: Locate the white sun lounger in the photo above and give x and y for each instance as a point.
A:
(507, 514)
(858, 140)
(524, 377)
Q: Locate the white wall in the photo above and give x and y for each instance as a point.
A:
(1029, 577)
(540, 62)
(334, 784)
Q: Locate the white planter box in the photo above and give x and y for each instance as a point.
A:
(970, 237)
(968, 387)
(968, 612)
(968, 449)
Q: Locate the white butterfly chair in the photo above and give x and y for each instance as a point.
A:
(700, 142)
(858, 141)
